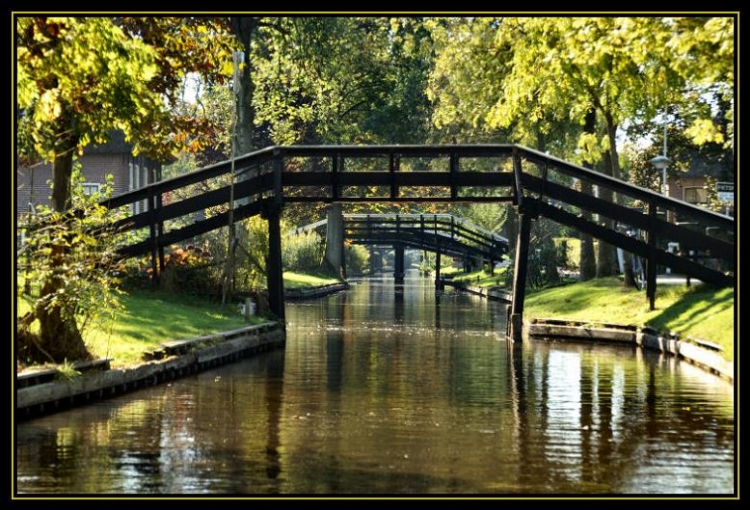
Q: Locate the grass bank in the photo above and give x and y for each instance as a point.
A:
(698, 312)
(297, 281)
(148, 317)
(482, 279)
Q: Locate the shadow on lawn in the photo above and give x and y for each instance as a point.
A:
(695, 307)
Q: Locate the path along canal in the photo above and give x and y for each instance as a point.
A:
(384, 391)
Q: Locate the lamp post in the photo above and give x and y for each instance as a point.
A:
(661, 163)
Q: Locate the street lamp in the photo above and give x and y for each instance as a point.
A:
(661, 163)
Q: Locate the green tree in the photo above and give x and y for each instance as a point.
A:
(530, 74)
(78, 79)
(343, 80)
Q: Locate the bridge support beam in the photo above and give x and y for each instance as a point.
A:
(398, 263)
(515, 327)
(438, 282)
(274, 270)
(335, 240)
(651, 261)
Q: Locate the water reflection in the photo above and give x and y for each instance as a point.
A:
(382, 390)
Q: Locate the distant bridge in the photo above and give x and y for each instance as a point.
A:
(443, 234)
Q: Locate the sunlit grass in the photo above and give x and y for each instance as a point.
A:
(146, 318)
(699, 311)
(293, 281)
(482, 279)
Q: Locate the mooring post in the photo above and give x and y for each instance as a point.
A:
(519, 276)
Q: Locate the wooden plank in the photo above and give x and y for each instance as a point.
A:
(646, 195)
(400, 179)
(200, 227)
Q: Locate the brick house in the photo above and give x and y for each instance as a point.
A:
(97, 162)
(691, 186)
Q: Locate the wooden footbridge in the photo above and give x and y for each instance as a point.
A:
(536, 184)
(442, 234)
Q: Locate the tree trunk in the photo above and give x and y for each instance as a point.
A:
(606, 261)
(588, 260)
(614, 160)
(59, 336)
(244, 29)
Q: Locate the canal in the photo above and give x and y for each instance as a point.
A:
(380, 391)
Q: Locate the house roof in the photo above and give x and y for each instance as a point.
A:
(115, 145)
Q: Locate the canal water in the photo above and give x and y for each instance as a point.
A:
(399, 391)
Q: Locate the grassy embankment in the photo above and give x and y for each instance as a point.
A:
(481, 279)
(698, 312)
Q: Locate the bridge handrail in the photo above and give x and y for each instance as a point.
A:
(632, 190)
(416, 219)
(464, 150)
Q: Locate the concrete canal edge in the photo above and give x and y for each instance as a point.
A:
(700, 353)
(172, 360)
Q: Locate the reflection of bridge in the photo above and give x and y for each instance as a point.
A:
(535, 183)
(438, 233)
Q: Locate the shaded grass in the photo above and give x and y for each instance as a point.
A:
(147, 317)
(698, 312)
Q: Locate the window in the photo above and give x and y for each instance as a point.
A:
(695, 195)
(89, 188)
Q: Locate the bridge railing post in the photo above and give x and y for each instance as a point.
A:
(159, 232)
(517, 181)
(454, 168)
(519, 277)
(154, 237)
(651, 260)
(394, 163)
(278, 170)
(274, 269)
(335, 167)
